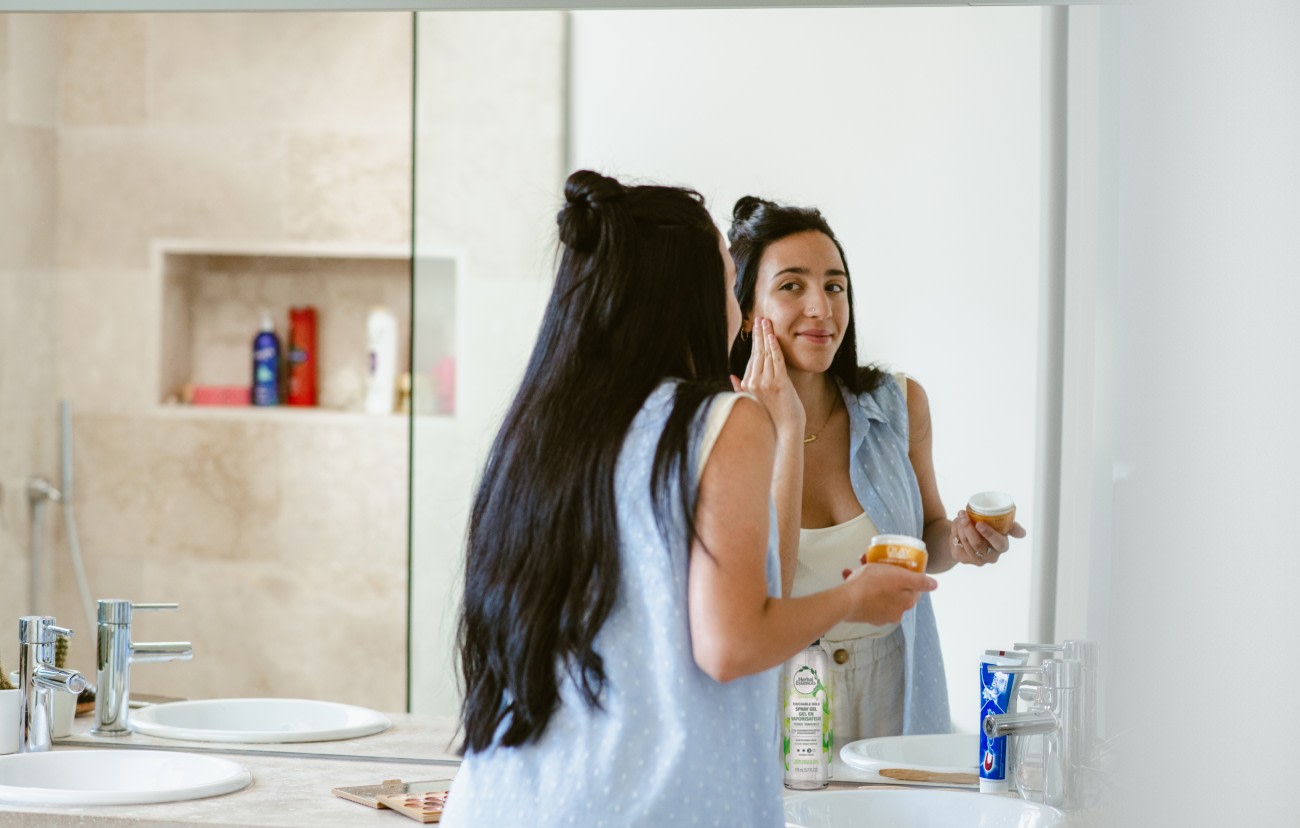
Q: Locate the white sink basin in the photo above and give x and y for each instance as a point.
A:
(943, 753)
(116, 777)
(257, 720)
(917, 808)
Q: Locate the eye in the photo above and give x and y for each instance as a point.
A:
(789, 286)
(836, 287)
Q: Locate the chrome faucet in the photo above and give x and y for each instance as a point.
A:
(116, 653)
(38, 677)
(1085, 652)
(1057, 714)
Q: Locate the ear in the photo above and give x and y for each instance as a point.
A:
(747, 323)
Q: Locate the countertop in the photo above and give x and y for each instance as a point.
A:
(287, 792)
(413, 738)
(291, 782)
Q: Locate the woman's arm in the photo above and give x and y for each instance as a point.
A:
(736, 628)
(940, 533)
(920, 451)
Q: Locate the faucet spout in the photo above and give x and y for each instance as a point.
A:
(58, 679)
(161, 651)
(1018, 724)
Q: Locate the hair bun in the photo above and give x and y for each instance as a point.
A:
(747, 208)
(586, 193)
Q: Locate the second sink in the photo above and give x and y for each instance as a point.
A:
(65, 778)
(257, 721)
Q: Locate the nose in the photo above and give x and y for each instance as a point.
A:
(819, 304)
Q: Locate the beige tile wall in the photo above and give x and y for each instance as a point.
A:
(28, 367)
(283, 537)
(489, 181)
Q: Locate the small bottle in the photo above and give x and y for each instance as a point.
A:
(381, 361)
(266, 364)
(301, 357)
(807, 738)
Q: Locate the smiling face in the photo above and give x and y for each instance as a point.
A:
(803, 287)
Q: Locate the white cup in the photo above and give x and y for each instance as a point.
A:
(11, 706)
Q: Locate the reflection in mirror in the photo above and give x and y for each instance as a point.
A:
(169, 177)
(916, 131)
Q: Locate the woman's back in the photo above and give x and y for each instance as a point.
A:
(668, 744)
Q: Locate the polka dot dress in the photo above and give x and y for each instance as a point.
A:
(669, 745)
(883, 480)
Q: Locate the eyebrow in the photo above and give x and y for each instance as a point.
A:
(803, 271)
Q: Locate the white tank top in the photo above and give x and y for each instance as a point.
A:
(823, 555)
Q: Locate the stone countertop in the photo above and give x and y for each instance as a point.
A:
(287, 792)
(414, 738)
(291, 782)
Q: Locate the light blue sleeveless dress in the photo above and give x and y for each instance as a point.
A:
(882, 478)
(671, 746)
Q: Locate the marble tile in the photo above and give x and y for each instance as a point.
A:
(256, 71)
(28, 353)
(104, 79)
(121, 188)
(4, 66)
(27, 195)
(285, 543)
(107, 357)
(34, 65)
(348, 186)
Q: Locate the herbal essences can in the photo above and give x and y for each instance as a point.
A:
(807, 737)
(301, 356)
(899, 550)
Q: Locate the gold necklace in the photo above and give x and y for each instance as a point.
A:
(812, 437)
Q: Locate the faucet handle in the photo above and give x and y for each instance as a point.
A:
(1016, 668)
(118, 610)
(63, 631)
(1040, 648)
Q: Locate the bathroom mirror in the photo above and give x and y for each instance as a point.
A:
(916, 131)
(176, 173)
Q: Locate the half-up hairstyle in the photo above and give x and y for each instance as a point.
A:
(757, 223)
(639, 297)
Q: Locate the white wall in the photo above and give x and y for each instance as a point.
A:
(916, 131)
(1200, 208)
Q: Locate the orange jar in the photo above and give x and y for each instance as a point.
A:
(899, 550)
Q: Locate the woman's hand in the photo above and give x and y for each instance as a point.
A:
(883, 592)
(978, 543)
(766, 378)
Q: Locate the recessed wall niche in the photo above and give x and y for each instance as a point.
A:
(213, 298)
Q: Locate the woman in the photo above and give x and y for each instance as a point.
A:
(853, 459)
(621, 612)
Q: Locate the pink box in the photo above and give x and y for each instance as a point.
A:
(221, 395)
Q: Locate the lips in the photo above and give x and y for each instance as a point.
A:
(816, 336)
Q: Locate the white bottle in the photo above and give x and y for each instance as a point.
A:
(806, 732)
(381, 361)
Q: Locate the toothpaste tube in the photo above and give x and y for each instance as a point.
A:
(997, 690)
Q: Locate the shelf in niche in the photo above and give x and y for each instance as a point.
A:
(297, 415)
(213, 294)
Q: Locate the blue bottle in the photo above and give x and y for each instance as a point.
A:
(266, 364)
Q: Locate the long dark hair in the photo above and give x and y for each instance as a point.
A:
(757, 223)
(638, 298)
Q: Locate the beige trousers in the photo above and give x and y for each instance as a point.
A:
(866, 687)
